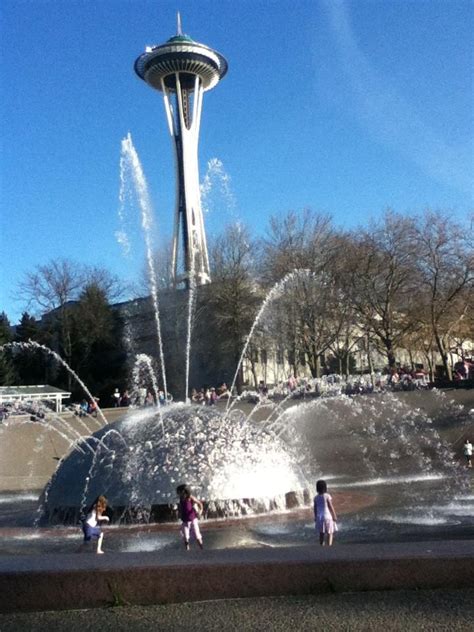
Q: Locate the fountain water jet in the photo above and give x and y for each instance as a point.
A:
(131, 162)
(274, 293)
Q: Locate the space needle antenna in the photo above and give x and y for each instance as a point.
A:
(179, 30)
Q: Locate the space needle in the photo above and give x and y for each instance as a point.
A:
(183, 70)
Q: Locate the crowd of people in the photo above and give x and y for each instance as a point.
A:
(464, 370)
(327, 385)
(35, 409)
(209, 395)
(406, 379)
(87, 407)
(141, 397)
(397, 379)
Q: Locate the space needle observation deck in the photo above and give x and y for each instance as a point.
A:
(183, 70)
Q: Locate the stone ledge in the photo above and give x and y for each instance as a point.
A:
(61, 582)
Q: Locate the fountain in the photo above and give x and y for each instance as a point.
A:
(235, 466)
(388, 457)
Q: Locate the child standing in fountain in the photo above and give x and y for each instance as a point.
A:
(189, 515)
(467, 449)
(91, 524)
(324, 515)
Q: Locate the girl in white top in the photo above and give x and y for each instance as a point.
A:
(467, 449)
(91, 525)
(324, 515)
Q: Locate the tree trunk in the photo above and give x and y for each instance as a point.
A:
(390, 356)
(254, 374)
(369, 362)
(444, 355)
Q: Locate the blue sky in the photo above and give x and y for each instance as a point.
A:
(343, 107)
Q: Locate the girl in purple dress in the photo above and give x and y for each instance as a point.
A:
(188, 509)
(324, 515)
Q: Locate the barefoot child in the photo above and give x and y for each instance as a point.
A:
(467, 450)
(91, 525)
(324, 514)
(189, 515)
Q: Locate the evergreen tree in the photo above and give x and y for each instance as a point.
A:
(7, 369)
(31, 365)
(97, 352)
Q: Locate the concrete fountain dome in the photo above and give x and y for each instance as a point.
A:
(232, 463)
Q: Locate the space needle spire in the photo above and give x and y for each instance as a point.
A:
(183, 70)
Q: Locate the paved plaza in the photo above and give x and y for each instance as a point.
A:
(430, 610)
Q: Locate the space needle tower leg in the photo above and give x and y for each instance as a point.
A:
(184, 120)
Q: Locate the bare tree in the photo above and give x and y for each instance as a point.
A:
(52, 285)
(296, 241)
(110, 284)
(422, 343)
(445, 269)
(52, 291)
(381, 281)
(49, 288)
(347, 331)
(316, 298)
(234, 293)
(303, 316)
(346, 337)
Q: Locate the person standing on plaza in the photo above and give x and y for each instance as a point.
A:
(125, 399)
(141, 396)
(149, 400)
(93, 406)
(213, 397)
(262, 391)
(116, 398)
(188, 509)
(324, 514)
(467, 450)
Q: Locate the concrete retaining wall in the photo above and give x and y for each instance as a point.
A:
(55, 582)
